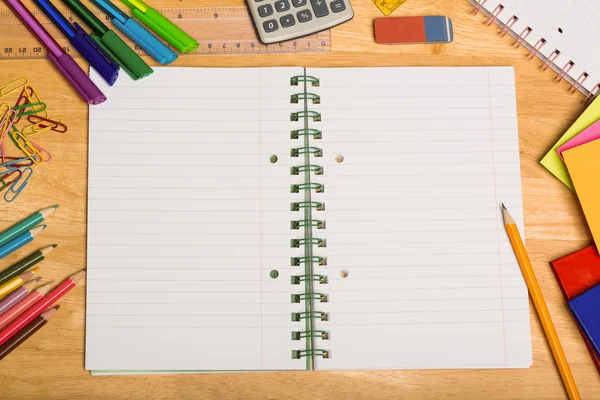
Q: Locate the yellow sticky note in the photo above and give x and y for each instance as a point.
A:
(583, 164)
(552, 160)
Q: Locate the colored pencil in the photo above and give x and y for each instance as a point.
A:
(27, 332)
(20, 241)
(25, 263)
(17, 282)
(17, 295)
(540, 305)
(26, 225)
(24, 304)
(15, 326)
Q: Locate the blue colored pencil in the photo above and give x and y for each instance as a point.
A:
(20, 241)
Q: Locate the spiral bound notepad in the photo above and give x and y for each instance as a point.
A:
(293, 219)
(562, 33)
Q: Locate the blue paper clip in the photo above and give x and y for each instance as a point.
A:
(13, 165)
(21, 182)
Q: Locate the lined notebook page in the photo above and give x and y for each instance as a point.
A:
(187, 217)
(413, 216)
(567, 26)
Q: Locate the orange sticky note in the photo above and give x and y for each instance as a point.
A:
(583, 163)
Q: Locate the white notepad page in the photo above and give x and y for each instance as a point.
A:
(413, 216)
(567, 26)
(187, 217)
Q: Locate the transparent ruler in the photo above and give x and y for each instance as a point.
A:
(220, 30)
(388, 6)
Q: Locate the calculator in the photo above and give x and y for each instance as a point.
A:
(281, 20)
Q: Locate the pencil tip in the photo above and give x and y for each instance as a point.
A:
(503, 207)
(55, 206)
(53, 245)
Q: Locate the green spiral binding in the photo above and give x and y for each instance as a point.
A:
(296, 261)
(295, 80)
(316, 116)
(317, 169)
(317, 205)
(321, 334)
(315, 133)
(316, 99)
(296, 354)
(298, 316)
(296, 279)
(319, 188)
(304, 241)
(296, 298)
(317, 152)
(308, 222)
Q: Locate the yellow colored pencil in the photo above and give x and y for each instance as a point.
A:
(540, 305)
(16, 282)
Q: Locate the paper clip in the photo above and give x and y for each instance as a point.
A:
(21, 182)
(4, 105)
(22, 109)
(13, 171)
(39, 125)
(30, 98)
(13, 86)
(42, 152)
(26, 147)
(15, 163)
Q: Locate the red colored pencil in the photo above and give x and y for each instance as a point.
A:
(39, 307)
(24, 304)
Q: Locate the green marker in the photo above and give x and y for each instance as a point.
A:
(110, 42)
(26, 225)
(162, 26)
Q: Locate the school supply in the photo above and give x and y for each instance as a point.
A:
(366, 231)
(585, 310)
(18, 295)
(540, 305)
(82, 42)
(560, 33)
(552, 161)
(31, 299)
(281, 20)
(38, 308)
(20, 241)
(576, 273)
(25, 333)
(63, 62)
(110, 42)
(219, 31)
(410, 30)
(16, 282)
(583, 164)
(140, 35)
(162, 26)
(25, 225)
(388, 6)
(25, 263)
(590, 133)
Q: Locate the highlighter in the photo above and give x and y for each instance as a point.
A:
(161, 25)
(84, 44)
(110, 42)
(136, 32)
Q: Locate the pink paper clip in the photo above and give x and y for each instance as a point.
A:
(42, 152)
(18, 185)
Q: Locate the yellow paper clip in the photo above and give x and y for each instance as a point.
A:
(5, 123)
(43, 152)
(13, 86)
(18, 185)
(26, 146)
(32, 98)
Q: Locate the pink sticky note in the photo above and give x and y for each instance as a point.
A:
(592, 132)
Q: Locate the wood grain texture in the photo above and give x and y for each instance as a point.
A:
(50, 364)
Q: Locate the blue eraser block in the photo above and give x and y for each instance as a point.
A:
(586, 310)
(147, 41)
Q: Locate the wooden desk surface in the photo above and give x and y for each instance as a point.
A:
(50, 364)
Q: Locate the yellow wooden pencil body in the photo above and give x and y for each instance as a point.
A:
(540, 306)
(16, 282)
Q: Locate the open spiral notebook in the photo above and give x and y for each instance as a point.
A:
(293, 219)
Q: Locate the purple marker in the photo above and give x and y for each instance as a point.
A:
(18, 295)
(64, 62)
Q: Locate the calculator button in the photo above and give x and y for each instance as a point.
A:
(320, 8)
(282, 5)
(299, 3)
(287, 21)
(337, 6)
(270, 26)
(265, 11)
(304, 16)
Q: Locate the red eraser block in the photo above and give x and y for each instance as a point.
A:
(433, 29)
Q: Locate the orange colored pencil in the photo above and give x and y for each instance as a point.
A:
(16, 282)
(24, 304)
(540, 305)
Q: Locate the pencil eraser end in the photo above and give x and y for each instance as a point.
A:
(413, 30)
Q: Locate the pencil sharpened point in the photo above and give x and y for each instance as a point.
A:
(55, 206)
(54, 245)
(503, 207)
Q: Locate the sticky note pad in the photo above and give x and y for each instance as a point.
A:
(583, 164)
(433, 29)
(590, 133)
(586, 310)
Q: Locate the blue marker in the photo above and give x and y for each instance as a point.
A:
(20, 241)
(106, 67)
(136, 32)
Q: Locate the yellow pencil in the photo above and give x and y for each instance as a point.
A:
(16, 282)
(540, 305)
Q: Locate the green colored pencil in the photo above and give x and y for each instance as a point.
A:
(25, 225)
(25, 264)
